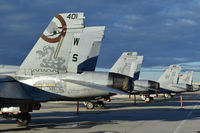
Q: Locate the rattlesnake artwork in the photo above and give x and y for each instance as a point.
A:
(49, 61)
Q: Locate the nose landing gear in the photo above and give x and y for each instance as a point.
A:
(22, 119)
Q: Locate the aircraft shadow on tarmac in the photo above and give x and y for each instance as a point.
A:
(111, 115)
(69, 120)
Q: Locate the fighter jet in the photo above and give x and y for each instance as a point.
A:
(169, 84)
(124, 75)
(142, 87)
(65, 49)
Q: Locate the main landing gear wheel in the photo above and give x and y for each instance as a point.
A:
(90, 105)
(23, 119)
(167, 96)
(147, 99)
(96, 104)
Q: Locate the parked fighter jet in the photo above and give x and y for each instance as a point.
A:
(169, 82)
(143, 87)
(121, 77)
(139, 84)
(65, 48)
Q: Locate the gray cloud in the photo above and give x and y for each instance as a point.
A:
(5, 7)
(165, 32)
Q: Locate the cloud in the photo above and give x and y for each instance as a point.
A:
(125, 27)
(154, 69)
(177, 59)
(18, 17)
(5, 7)
(187, 66)
(188, 21)
(182, 21)
(180, 59)
(165, 32)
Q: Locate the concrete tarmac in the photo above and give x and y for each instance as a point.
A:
(119, 116)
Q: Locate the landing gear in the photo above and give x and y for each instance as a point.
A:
(95, 104)
(23, 119)
(146, 98)
(166, 95)
(90, 105)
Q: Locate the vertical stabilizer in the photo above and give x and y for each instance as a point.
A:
(170, 75)
(138, 69)
(64, 46)
(50, 55)
(126, 64)
(186, 78)
(89, 47)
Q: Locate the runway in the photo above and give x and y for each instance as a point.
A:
(119, 116)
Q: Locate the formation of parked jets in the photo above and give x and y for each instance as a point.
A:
(61, 67)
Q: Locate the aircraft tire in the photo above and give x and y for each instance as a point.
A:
(147, 100)
(23, 119)
(90, 105)
(168, 96)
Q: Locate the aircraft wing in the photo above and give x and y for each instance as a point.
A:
(98, 87)
(12, 90)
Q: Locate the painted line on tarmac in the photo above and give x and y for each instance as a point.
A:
(183, 121)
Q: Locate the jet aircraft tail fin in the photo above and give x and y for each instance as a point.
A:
(187, 78)
(125, 65)
(90, 44)
(138, 68)
(170, 75)
(64, 46)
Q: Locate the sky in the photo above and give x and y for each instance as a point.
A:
(164, 31)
